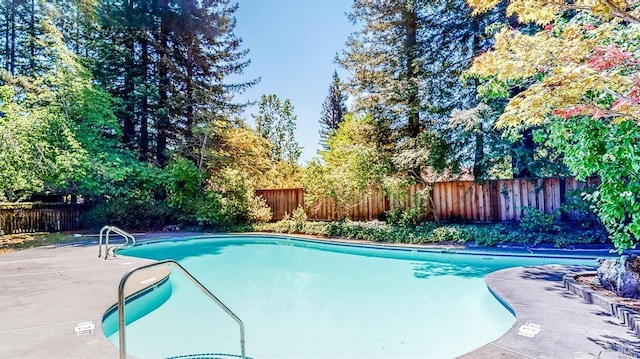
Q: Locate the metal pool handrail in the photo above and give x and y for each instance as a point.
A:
(121, 303)
(117, 230)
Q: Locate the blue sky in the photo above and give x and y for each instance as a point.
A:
(292, 46)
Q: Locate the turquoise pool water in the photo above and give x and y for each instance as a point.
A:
(302, 299)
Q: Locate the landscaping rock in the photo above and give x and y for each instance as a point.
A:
(620, 275)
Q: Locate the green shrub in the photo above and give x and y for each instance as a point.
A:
(491, 235)
(450, 234)
(410, 217)
(315, 228)
(430, 232)
(393, 216)
(128, 213)
(259, 210)
(183, 182)
(299, 215)
(223, 201)
(577, 203)
(535, 220)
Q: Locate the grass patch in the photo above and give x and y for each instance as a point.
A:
(14, 242)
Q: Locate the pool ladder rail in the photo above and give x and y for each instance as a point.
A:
(121, 304)
(129, 240)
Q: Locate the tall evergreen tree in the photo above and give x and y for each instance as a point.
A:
(405, 64)
(333, 110)
(276, 122)
(23, 42)
(386, 63)
(169, 62)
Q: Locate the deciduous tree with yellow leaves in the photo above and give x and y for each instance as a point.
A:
(581, 79)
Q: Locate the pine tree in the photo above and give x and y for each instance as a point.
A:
(386, 63)
(406, 64)
(169, 63)
(333, 110)
(23, 44)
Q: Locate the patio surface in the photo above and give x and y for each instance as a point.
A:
(47, 291)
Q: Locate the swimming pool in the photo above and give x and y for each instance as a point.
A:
(307, 299)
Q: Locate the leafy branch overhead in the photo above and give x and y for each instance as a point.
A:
(580, 78)
(585, 64)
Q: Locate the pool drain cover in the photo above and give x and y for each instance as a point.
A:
(529, 330)
(84, 328)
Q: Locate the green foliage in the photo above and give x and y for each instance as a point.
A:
(299, 215)
(581, 208)
(276, 122)
(230, 199)
(259, 210)
(476, 143)
(564, 236)
(183, 182)
(394, 216)
(129, 213)
(61, 132)
(227, 198)
(37, 146)
(333, 110)
(428, 152)
(348, 169)
(450, 233)
(410, 217)
(58, 130)
(170, 64)
(290, 226)
(429, 232)
(609, 150)
(294, 223)
(374, 231)
(535, 220)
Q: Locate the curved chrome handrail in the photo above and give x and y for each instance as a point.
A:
(121, 304)
(106, 230)
(100, 240)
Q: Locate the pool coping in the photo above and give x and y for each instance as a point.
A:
(40, 265)
(137, 290)
(625, 314)
(505, 251)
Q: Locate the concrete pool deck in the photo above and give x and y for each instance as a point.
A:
(45, 292)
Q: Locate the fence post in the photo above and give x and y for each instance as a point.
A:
(564, 216)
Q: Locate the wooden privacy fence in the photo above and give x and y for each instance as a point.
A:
(486, 201)
(38, 217)
(282, 201)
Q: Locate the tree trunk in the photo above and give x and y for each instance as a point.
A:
(410, 18)
(12, 51)
(162, 121)
(128, 118)
(7, 21)
(32, 39)
(78, 34)
(144, 125)
(522, 155)
(478, 158)
(188, 133)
